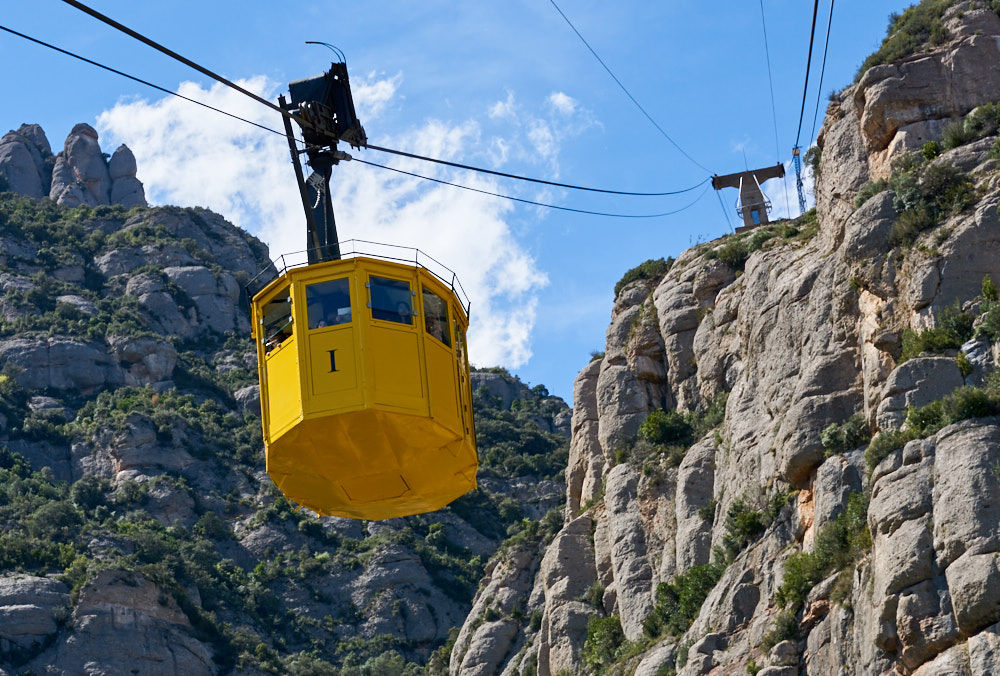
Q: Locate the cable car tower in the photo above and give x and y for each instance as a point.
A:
(366, 400)
(751, 205)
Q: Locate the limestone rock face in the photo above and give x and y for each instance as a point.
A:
(587, 462)
(25, 158)
(632, 574)
(60, 364)
(126, 189)
(567, 571)
(488, 648)
(127, 616)
(147, 361)
(933, 87)
(82, 177)
(31, 608)
(770, 354)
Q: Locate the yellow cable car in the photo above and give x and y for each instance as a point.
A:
(365, 393)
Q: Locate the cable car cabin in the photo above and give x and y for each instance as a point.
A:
(365, 392)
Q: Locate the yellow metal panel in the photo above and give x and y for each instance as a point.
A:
(322, 463)
(284, 396)
(332, 363)
(396, 366)
(374, 487)
(441, 384)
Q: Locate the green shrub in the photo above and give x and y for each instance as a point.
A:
(869, 190)
(962, 404)
(884, 443)
(733, 253)
(88, 492)
(678, 602)
(651, 269)
(843, 437)
(989, 289)
(812, 159)
(930, 150)
(713, 416)
(963, 363)
(929, 340)
(954, 327)
(953, 134)
(989, 322)
(994, 153)
(917, 27)
(979, 123)
(946, 188)
(665, 427)
(54, 521)
(923, 195)
(605, 641)
(707, 510)
(785, 628)
(956, 321)
(759, 238)
(839, 544)
(908, 226)
(595, 595)
(743, 525)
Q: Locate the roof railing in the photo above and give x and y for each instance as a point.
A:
(354, 248)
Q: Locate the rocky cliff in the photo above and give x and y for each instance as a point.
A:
(787, 460)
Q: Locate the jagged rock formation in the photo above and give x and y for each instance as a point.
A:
(805, 333)
(25, 158)
(80, 175)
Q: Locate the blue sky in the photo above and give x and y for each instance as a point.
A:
(504, 85)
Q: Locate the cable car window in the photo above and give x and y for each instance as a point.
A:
(277, 316)
(328, 303)
(390, 299)
(436, 316)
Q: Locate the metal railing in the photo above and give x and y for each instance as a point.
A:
(354, 248)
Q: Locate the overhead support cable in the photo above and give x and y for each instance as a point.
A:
(458, 165)
(725, 212)
(301, 122)
(625, 89)
(540, 204)
(822, 70)
(796, 150)
(805, 89)
(774, 113)
(770, 83)
(174, 55)
(136, 79)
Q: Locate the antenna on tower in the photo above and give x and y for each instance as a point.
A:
(797, 161)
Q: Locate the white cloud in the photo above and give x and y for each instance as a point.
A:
(535, 136)
(190, 156)
(372, 94)
(563, 103)
(503, 108)
(543, 139)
